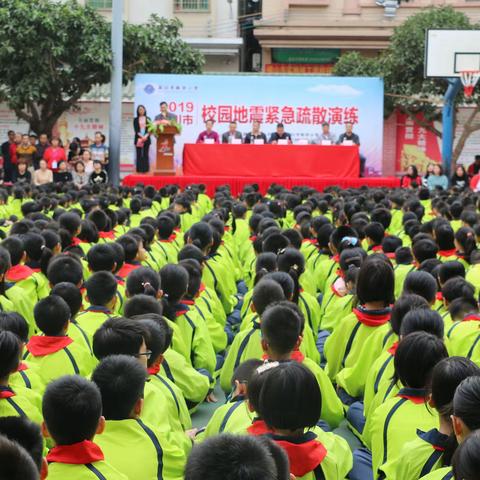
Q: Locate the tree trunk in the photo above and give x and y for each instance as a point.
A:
(468, 128)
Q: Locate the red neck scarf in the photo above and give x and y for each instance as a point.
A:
(258, 427)
(126, 269)
(110, 235)
(447, 253)
(372, 318)
(6, 392)
(22, 367)
(415, 395)
(153, 370)
(296, 356)
(18, 272)
(393, 349)
(473, 317)
(40, 346)
(80, 453)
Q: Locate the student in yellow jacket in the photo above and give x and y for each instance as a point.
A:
(289, 402)
(375, 285)
(54, 353)
(434, 449)
(126, 437)
(395, 423)
(72, 408)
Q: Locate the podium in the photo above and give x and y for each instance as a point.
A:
(165, 162)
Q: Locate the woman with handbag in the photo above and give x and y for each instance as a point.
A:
(142, 139)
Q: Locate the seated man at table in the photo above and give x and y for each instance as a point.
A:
(280, 134)
(326, 136)
(208, 133)
(255, 134)
(232, 134)
(352, 138)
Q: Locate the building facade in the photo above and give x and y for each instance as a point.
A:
(208, 25)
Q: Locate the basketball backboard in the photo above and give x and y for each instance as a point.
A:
(450, 52)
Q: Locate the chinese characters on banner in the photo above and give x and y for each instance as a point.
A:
(416, 145)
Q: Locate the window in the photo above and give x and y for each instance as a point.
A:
(192, 5)
(100, 4)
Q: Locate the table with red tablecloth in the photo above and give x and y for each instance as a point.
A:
(247, 160)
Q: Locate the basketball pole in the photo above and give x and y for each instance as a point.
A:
(454, 86)
(116, 91)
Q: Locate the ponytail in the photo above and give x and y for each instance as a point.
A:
(45, 258)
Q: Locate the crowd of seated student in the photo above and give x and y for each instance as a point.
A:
(122, 309)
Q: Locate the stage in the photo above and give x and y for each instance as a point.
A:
(237, 183)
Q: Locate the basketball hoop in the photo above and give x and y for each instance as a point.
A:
(469, 80)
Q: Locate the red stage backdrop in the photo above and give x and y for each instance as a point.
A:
(415, 144)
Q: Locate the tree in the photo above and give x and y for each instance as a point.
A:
(402, 67)
(51, 54)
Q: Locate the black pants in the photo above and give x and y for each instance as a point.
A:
(142, 159)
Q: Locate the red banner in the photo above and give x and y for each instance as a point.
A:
(416, 145)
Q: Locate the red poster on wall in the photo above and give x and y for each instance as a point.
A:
(416, 145)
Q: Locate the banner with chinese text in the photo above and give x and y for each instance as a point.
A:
(416, 145)
(301, 103)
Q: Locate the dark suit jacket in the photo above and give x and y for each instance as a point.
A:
(170, 116)
(226, 136)
(136, 127)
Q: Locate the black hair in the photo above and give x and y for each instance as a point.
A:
(466, 402)
(290, 397)
(421, 283)
(446, 377)
(403, 305)
(143, 280)
(416, 356)
(281, 327)
(275, 243)
(130, 247)
(14, 246)
(284, 280)
(118, 336)
(244, 372)
(194, 277)
(71, 408)
(51, 315)
(101, 257)
(422, 319)
(237, 457)
(101, 288)
(15, 323)
(157, 341)
(391, 244)
(383, 216)
(292, 262)
(466, 463)
(70, 222)
(264, 263)
(100, 219)
(375, 232)
(424, 249)
(449, 270)
(121, 381)
(65, 268)
(174, 280)
(37, 252)
(15, 462)
(165, 227)
(445, 236)
(191, 252)
(142, 304)
(265, 293)
(339, 234)
(465, 237)
(9, 354)
(119, 255)
(27, 434)
(201, 235)
(457, 287)
(71, 294)
(375, 281)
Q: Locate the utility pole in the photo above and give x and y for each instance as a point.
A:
(116, 91)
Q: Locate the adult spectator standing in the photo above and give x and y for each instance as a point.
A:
(13, 150)
(87, 161)
(349, 137)
(54, 154)
(232, 134)
(280, 134)
(255, 134)
(98, 176)
(43, 174)
(7, 164)
(474, 168)
(142, 139)
(41, 146)
(99, 149)
(208, 133)
(26, 151)
(326, 135)
(165, 114)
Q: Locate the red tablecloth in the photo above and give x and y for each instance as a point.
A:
(237, 183)
(271, 160)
